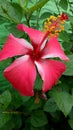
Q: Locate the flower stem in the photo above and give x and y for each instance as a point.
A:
(13, 112)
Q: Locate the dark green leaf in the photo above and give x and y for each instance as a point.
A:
(38, 83)
(50, 106)
(38, 118)
(64, 4)
(45, 15)
(32, 105)
(4, 118)
(9, 125)
(70, 121)
(4, 84)
(5, 99)
(16, 99)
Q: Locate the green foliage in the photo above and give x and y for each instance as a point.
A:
(38, 6)
(5, 99)
(63, 100)
(71, 123)
(11, 11)
(64, 4)
(50, 106)
(38, 118)
(3, 34)
(69, 71)
(53, 111)
(4, 119)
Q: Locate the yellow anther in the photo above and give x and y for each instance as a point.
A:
(53, 17)
(60, 30)
(56, 34)
(49, 23)
(46, 26)
(62, 22)
(45, 23)
(62, 27)
(59, 16)
(56, 31)
(48, 19)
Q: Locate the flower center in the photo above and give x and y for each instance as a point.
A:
(35, 55)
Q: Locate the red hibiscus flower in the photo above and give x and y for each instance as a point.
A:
(22, 72)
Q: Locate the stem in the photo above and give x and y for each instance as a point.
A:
(37, 22)
(13, 112)
(28, 21)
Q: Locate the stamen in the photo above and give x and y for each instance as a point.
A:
(55, 24)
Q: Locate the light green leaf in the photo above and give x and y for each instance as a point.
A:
(11, 11)
(3, 33)
(37, 6)
(69, 64)
(63, 100)
(23, 3)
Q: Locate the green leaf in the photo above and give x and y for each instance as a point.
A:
(50, 106)
(12, 29)
(17, 121)
(3, 34)
(25, 99)
(38, 83)
(9, 125)
(38, 118)
(45, 15)
(23, 3)
(37, 6)
(70, 121)
(11, 11)
(32, 105)
(5, 100)
(16, 99)
(65, 36)
(69, 64)
(63, 4)
(63, 100)
(38, 128)
(4, 118)
(4, 84)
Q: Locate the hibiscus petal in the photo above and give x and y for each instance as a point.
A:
(50, 71)
(22, 74)
(15, 46)
(53, 49)
(36, 36)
